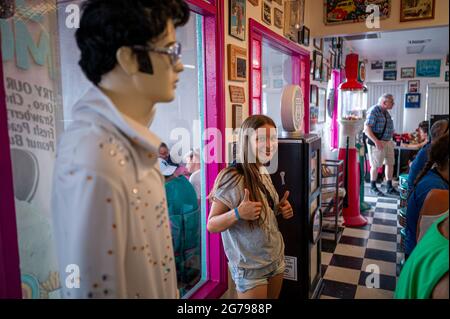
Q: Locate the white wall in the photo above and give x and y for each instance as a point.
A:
(411, 117)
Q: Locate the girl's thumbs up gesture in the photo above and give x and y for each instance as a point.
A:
(249, 210)
(285, 207)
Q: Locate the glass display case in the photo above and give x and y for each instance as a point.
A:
(352, 105)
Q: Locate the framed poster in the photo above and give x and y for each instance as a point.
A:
(294, 15)
(237, 94)
(322, 112)
(407, 73)
(390, 75)
(266, 14)
(390, 65)
(376, 65)
(313, 95)
(304, 36)
(412, 100)
(417, 10)
(237, 63)
(318, 65)
(318, 44)
(278, 18)
(352, 11)
(428, 68)
(413, 86)
(236, 116)
(237, 18)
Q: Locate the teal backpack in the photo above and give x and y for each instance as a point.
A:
(184, 214)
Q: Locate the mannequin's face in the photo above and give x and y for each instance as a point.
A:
(160, 86)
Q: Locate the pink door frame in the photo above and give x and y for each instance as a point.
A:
(300, 63)
(217, 281)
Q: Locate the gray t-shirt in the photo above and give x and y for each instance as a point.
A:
(249, 247)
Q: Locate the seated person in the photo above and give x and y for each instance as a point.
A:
(425, 273)
(164, 153)
(422, 132)
(435, 175)
(435, 205)
(192, 160)
(438, 129)
(184, 215)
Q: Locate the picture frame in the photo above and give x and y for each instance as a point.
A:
(318, 44)
(237, 63)
(446, 76)
(407, 73)
(352, 11)
(413, 86)
(332, 58)
(294, 17)
(412, 100)
(423, 10)
(266, 14)
(428, 68)
(390, 75)
(376, 65)
(236, 116)
(318, 65)
(237, 94)
(278, 18)
(313, 95)
(237, 18)
(304, 36)
(390, 65)
(254, 2)
(322, 105)
(313, 114)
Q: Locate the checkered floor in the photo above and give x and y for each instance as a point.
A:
(344, 266)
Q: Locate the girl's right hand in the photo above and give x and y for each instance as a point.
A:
(249, 210)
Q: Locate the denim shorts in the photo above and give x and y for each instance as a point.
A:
(246, 279)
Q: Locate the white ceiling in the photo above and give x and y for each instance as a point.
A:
(394, 44)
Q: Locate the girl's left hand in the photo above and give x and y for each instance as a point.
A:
(285, 207)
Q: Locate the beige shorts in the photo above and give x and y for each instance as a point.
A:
(385, 156)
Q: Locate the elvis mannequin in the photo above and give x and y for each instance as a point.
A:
(108, 199)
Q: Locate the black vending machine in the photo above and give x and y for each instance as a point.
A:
(299, 171)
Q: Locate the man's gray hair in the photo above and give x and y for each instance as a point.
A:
(438, 129)
(384, 97)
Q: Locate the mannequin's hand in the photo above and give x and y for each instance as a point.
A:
(285, 207)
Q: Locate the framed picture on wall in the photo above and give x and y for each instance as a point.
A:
(278, 18)
(236, 116)
(412, 100)
(237, 94)
(237, 63)
(313, 95)
(428, 68)
(446, 76)
(304, 36)
(237, 18)
(390, 65)
(407, 73)
(413, 86)
(266, 14)
(353, 11)
(322, 105)
(390, 75)
(332, 58)
(376, 65)
(417, 10)
(318, 44)
(318, 65)
(294, 11)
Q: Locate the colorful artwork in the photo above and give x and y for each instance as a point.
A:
(407, 73)
(376, 65)
(266, 12)
(428, 68)
(237, 15)
(390, 75)
(412, 10)
(412, 100)
(350, 11)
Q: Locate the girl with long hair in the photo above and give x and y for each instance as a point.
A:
(244, 208)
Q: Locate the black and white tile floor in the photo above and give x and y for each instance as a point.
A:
(345, 266)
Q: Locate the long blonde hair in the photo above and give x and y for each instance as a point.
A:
(246, 167)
